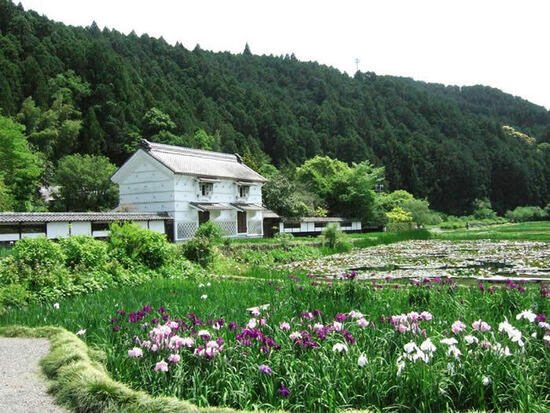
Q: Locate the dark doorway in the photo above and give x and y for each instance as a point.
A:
(241, 222)
(204, 217)
(271, 227)
(169, 229)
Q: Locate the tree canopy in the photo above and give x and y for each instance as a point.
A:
(97, 91)
(85, 184)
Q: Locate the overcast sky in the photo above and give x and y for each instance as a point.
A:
(500, 43)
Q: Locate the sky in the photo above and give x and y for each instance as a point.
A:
(499, 43)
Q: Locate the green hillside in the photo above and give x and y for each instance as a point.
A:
(92, 88)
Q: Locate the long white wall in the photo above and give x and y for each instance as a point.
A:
(56, 230)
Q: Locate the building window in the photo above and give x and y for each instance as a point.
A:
(206, 189)
(292, 225)
(244, 190)
(100, 226)
(9, 229)
(33, 228)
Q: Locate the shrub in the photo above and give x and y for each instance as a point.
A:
(452, 225)
(331, 235)
(199, 250)
(130, 244)
(421, 212)
(526, 213)
(285, 239)
(9, 271)
(483, 209)
(83, 251)
(342, 246)
(211, 231)
(38, 254)
(14, 295)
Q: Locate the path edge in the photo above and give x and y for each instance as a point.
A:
(79, 381)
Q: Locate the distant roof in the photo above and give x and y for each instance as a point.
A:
(14, 217)
(323, 219)
(270, 214)
(201, 163)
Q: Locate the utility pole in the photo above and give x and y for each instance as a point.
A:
(357, 61)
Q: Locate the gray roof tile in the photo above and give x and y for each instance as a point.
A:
(15, 217)
(201, 163)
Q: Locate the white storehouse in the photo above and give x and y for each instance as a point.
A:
(193, 186)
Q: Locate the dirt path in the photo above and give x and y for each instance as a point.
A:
(22, 387)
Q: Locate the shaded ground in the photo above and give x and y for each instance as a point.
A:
(479, 259)
(22, 389)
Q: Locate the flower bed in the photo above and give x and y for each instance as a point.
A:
(279, 355)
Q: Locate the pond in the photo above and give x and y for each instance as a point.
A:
(481, 259)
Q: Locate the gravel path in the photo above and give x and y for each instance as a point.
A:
(22, 387)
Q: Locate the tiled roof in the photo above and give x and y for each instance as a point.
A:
(201, 163)
(322, 219)
(11, 217)
(270, 214)
(211, 206)
(247, 207)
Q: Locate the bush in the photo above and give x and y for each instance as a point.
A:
(526, 213)
(342, 246)
(483, 209)
(285, 239)
(14, 295)
(421, 212)
(331, 235)
(131, 244)
(394, 226)
(38, 254)
(211, 231)
(83, 251)
(452, 225)
(200, 250)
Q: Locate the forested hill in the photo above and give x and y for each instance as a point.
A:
(444, 143)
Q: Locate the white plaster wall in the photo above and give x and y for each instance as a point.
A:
(157, 226)
(56, 230)
(9, 237)
(255, 195)
(147, 188)
(81, 228)
(100, 234)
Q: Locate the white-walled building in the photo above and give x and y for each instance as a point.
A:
(315, 225)
(193, 186)
(55, 225)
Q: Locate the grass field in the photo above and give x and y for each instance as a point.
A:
(532, 231)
